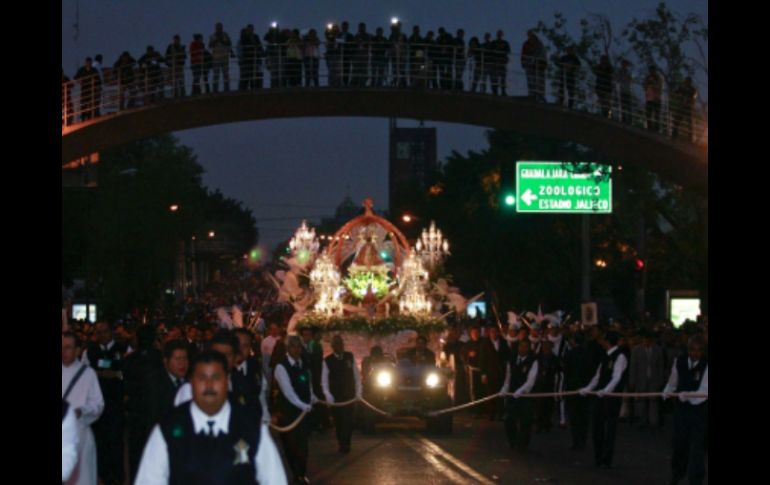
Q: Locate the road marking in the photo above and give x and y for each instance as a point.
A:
(430, 457)
(456, 462)
(431, 452)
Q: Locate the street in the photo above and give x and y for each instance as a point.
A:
(401, 452)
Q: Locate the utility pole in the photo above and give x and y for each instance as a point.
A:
(585, 279)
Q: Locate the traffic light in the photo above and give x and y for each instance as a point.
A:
(509, 199)
(639, 264)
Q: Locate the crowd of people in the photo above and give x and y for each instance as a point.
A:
(142, 376)
(435, 60)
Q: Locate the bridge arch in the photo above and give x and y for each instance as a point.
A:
(681, 162)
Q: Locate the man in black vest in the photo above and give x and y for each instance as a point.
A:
(312, 358)
(556, 337)
(141, 370)
(208, 440)
(689, 374)
(520, 375)
(294, 380)
(166, 383)
(493, 359)
(470, 353)
(341, 382)
(247, 377)
(611, 375)
(106, 358)
(578, 369)
(226, 344)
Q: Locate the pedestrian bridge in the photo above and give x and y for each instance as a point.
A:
(98, 116)
(682, 162)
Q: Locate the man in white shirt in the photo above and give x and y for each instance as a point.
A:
(610, 375)
(207, 440)
(80, 388)
(520, 375)
(226, 344)
(689, 374)
(294, 380)
(341, 382)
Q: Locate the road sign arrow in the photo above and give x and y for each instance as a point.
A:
(528, 197)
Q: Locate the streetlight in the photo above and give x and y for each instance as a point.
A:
(394, 21)
(274, 24)
(212, 234)
(173, 207)
(407, 218)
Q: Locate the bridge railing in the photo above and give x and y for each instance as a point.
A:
(157, 79)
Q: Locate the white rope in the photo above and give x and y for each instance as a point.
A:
(291, 426)
(452, 409)
(295, 423)
(569, 393)
(464, 406)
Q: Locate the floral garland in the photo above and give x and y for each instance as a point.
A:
(377, 326)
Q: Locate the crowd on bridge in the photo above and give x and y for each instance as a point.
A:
(290, 58)
(226, 352)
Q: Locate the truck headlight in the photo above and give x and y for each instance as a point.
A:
(432, 380)
(384, 378)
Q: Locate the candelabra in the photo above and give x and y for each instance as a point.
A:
(432, 247)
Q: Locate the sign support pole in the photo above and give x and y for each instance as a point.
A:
(586, 258)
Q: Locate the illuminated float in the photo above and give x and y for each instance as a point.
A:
(369, 285)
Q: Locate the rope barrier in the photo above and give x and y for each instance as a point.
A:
(291, 426)
(295, 423)
(464, 406)
(567, 393)
(452, 409)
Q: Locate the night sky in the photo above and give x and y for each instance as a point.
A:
(281, 169)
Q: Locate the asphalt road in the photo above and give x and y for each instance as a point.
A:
(402, 453)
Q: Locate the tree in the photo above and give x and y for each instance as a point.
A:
(663, 39)
(123, 237)
(535, 259)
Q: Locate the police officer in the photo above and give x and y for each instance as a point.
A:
(520, 375)
(296, 397)
(208, 440)
(610, 375)
(341, 382)
(106, 358)
(689, 374)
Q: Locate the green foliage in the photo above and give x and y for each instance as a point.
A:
(529, 259)
(359, 282)
(662, 40)
(122, 237)
(378, 326)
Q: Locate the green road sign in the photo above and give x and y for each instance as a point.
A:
(563, 187)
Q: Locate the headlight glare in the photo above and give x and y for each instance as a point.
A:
(384, 378)
(432, 380)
